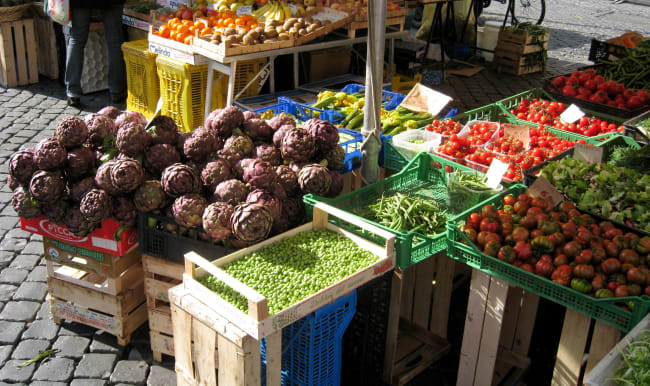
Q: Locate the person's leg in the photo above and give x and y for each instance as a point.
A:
(80, 20)
(113, 32)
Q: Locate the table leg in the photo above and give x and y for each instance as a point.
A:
(296, 74)
(208, 91)
(231, 83)
(272, 73)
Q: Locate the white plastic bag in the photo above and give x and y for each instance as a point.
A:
(58, 10)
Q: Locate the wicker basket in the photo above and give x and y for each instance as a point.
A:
(13, 13)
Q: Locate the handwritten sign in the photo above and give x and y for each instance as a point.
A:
(495, 173)
(422, 99)
(571, 114)
(244, 10)
(520, 132)
(588, 153)
(174, 3)
(543, 189)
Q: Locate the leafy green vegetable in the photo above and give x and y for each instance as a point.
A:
(636, 159)
(636, 370)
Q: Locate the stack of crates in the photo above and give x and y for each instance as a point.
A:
(141, 76)
(182, 89)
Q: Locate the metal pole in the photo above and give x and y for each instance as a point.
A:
(374, 77)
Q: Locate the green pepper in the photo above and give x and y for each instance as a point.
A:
(542, 244)
(581, 285)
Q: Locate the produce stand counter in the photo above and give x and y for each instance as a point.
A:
(227, 65)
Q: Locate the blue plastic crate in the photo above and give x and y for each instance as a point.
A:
(286, 105)
(311, 347)
(259, 101)
(393, 98)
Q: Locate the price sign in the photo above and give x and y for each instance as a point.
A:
(293, 8)
(422, 99)
(543, 189)
(571, 114)
(495, 173)
(520, 132)
(244, 10)
(588, 153)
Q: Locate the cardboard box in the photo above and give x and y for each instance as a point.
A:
(102, 239)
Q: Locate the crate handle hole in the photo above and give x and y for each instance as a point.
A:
(414, 361)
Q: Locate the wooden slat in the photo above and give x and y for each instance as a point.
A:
(205, 339)
(32, 51)
(47, 57)
(445, 268)
(162, 267)
(423, 292)
(21, 58)
(408, 285)
(604, 338)
(525, 323)
(158, 289)
(392, 329)
(572, 346)
(182, 324)
(492, 323)
(274, 358)
(8, 70)
(161, 321)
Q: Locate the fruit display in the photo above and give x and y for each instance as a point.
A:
(293, 268)
(588, 85)
(613, 192)
(276, 10)
(563, 245)
(360, 8)
(548, 113)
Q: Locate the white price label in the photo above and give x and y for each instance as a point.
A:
(571, 114)
(588, 153)
(422, 99)
(543, 189)
(520, 132)
(244, 10)
(293, 8)
(495, 173)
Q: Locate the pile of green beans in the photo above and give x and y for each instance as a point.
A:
(632, 71)
(404, 212)
(293, 268)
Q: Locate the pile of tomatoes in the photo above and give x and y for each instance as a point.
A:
(564, 245)
(481, 131)
(590, 86)
(456, 148)
(547, 113)
(446, 127)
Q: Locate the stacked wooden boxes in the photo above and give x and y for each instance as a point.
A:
(18, 53)
(522, 52)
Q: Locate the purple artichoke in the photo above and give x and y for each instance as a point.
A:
(224, 121)
(22, 166)
(124, 211)
(216, 220)
(12, 183)
(297, 145)
(99, 127)
(179, 179)
(282, 120)
(200, 144)
(214, 173)
(277, 190)
(273, 203)
(241, 145)
(126, 175)
(325, 134)
(337, 184)
(259, 174)
(130, 117)
(258, 129)
(46, 186)
(188, 210)
(132, 139)
(288, 179)
(71, 132)
(181, 137)
(269, 153)
(110, 111)
(158, 157)
(77, 223)
(296, 166)
(80, 161)
(24, 204)
(251, 115)
(251, 223)
(163, 129)
(315, 178)
(231, 158)
(335, 158)
(150, 196)
(238, 169)
(280, 133)
(78, 189)
(103, 178)
(231, 191)
(96, 205)
(56, 211)
(49, 155)
(294, 210)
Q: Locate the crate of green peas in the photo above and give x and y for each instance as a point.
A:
(265, 287)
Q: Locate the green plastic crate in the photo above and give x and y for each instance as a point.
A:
(508, 103)
(425, 176)
(609, 311)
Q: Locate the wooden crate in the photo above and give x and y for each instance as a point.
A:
(160, 276)
(514, 63)
(394, 22)
(18, 53)
(521, 43)
(418, 317)
(108, 285)
(48, 55)
(119, 315)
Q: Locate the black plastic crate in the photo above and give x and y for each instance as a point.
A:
(364, 342)
(632, 130)
(602, 51)
(157, 241)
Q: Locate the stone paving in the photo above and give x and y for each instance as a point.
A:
(91, 357)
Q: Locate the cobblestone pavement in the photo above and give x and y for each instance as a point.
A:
(89, 357)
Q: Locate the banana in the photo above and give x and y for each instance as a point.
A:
(287, 11)
(258, 13)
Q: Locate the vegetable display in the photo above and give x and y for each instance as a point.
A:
(404, 212)
(293, 268)
(636, 159)
(636, 358)
(633, 70)
(465, 190)
(562, 244)
(617, 193)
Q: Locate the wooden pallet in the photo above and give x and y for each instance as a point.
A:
(18, 53)
(418, 317)
(160, 276)
(395, 22)
(118, 315)
(514, 63)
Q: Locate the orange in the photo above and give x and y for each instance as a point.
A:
(232, 25)
(199, 25)
(205, 31)
(174, 20)
(188, 39)
(164, 31)
(183, 29)
(240, 21)
(188, 22)
(251, 24)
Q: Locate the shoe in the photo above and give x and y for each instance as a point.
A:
(74, 101)
(118, 99)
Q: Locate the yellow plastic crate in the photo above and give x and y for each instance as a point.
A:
(142, 79)
(246, 70)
